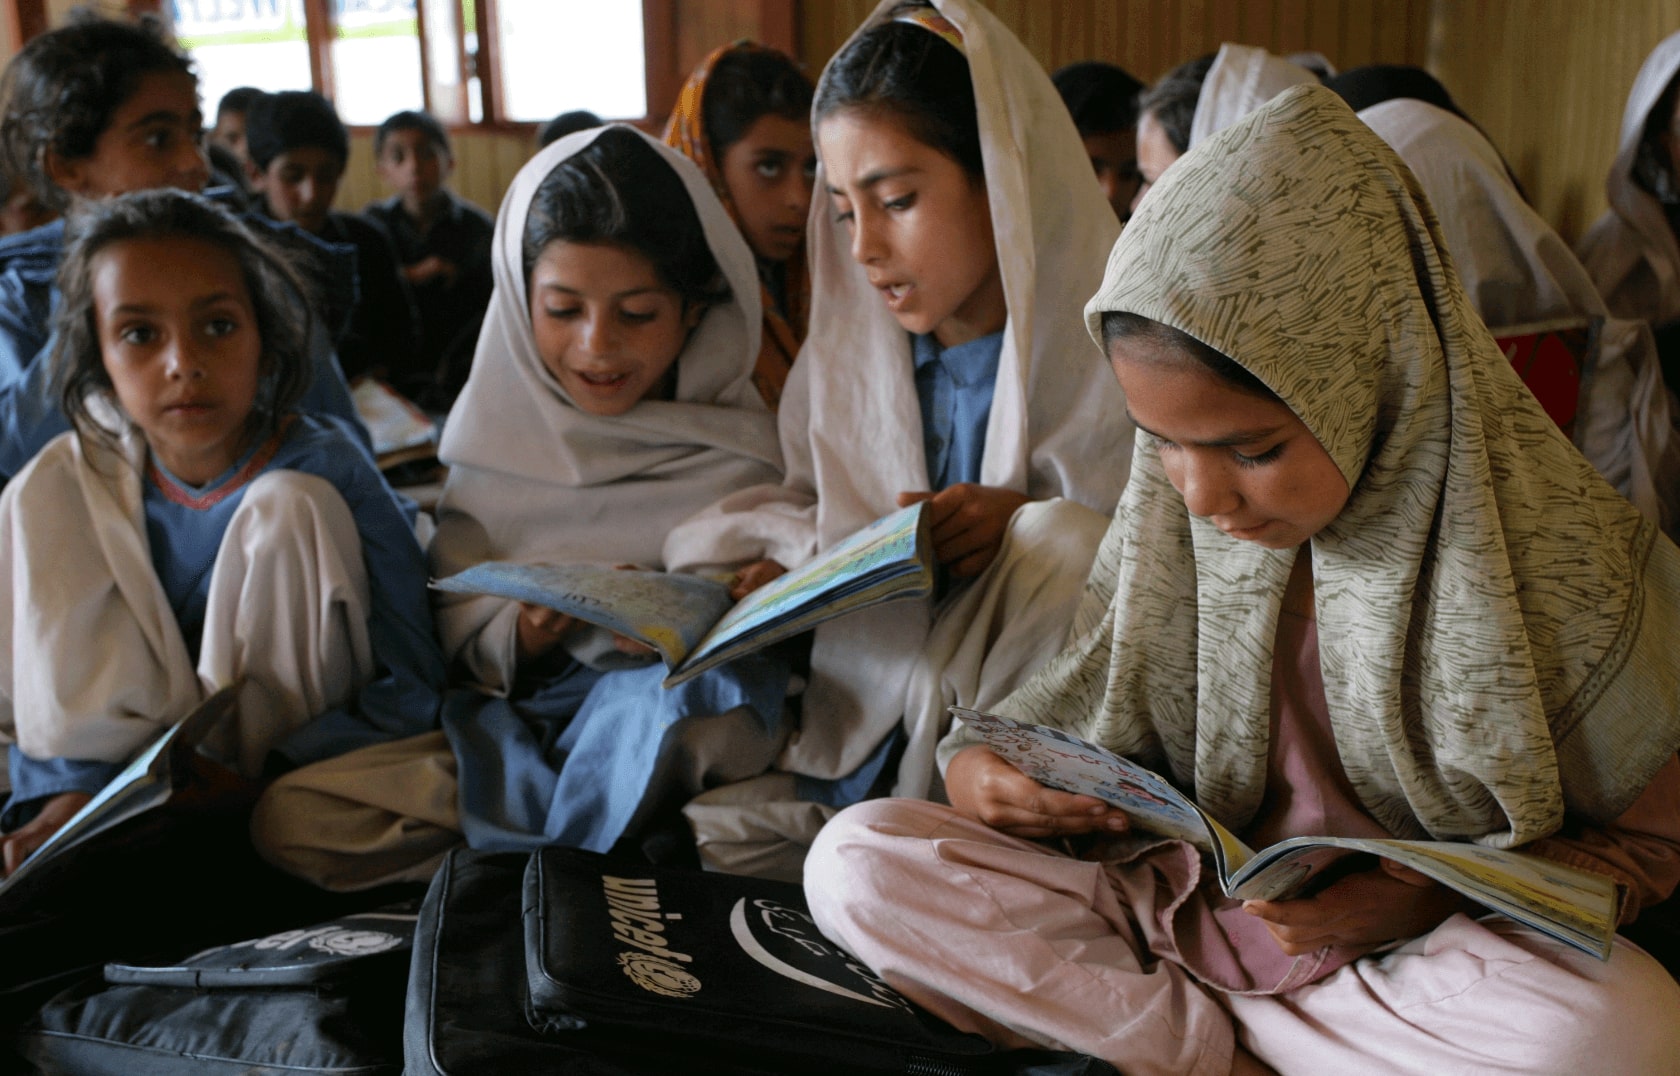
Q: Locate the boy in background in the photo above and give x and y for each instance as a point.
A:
(1103, 101)
(297, 148)
(443, 243)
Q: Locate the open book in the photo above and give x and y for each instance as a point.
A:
(146, 782)
(401, 432)
(1573, 906)
(692, 622)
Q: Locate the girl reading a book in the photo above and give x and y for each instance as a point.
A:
(611, 396)
(958, 221)
(744, 117)
(96, 108)
(1359, 585)
(195, 529)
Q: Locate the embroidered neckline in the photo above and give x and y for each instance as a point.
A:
(175, 493)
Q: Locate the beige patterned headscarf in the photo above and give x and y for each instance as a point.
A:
(1496, 625)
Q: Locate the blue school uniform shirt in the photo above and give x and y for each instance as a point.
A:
(954, 386)
(29, 411)
(184, 527)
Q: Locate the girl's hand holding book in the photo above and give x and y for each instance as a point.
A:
(1384, 904)
(753, 576)
(984, 786)
(969, 522)
(541, 629)
(16, 846)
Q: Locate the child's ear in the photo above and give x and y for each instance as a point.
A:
(67, 173)
(255, 177)
(693, 314)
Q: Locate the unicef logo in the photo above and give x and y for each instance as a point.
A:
(658, 976)
(355, 942)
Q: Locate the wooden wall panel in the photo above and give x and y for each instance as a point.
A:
(1149, 37)
(1547, 80)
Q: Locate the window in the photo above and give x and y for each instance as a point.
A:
(467, 61)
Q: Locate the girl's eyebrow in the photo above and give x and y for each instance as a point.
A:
(162, 115)
(1236, 437)
(202, 301)
(649, 290)
(872, 178)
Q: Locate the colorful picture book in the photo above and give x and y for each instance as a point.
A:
(692, 622)
(1573, 906)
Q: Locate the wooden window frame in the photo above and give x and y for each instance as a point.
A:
(659, 33)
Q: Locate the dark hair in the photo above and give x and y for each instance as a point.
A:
(1363, 87)
(1123, 325)
(278, 123)
(409, 120)
(747, 84)
(62, 88)
(275, 288)
(619, 190)
(1172, 100)
(578, 119)
(905, 70)
(1102, 98)
(237, 100)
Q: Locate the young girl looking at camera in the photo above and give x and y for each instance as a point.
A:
(94, 109)
(1359, 585)
(958, 225)
(195, 528)
(744, 117)
(611, 396)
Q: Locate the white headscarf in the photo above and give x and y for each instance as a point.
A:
(1496, 625)
(1241, 79)
(1520, 273)
(1630, 251)
(851, 424)
(534, 478)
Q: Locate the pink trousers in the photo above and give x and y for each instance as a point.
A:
(1027, 947)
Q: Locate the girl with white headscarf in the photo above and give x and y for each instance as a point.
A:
(611, 396)
(1631, 251)
(1203, 96)
(1519, 274)
(1360, 585)
(956, 223)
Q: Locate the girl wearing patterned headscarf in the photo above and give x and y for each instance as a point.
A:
(744, 117)
(1358, 585)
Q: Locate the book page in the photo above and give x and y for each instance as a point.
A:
(142, 784)
(1061, 760)
(887, 559)
(394, 422)
(668, 611)
(1574, 906)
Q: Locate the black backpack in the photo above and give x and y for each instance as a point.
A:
(571, 961)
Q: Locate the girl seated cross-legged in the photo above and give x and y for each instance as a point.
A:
(957, 224)
(1358, 585)
(195, 528)
(611, 396)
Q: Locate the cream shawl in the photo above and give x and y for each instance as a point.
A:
(533, 478)
(850, 423)
(1630, 251)
(1518, 272)
(1496, 624)
(1241, 79)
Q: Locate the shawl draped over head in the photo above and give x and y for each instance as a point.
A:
(783, 330)
(1631, 251)
(534, 478)
(1496, 624)
(850, 421)
(1518, 272)
(1241, 79)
